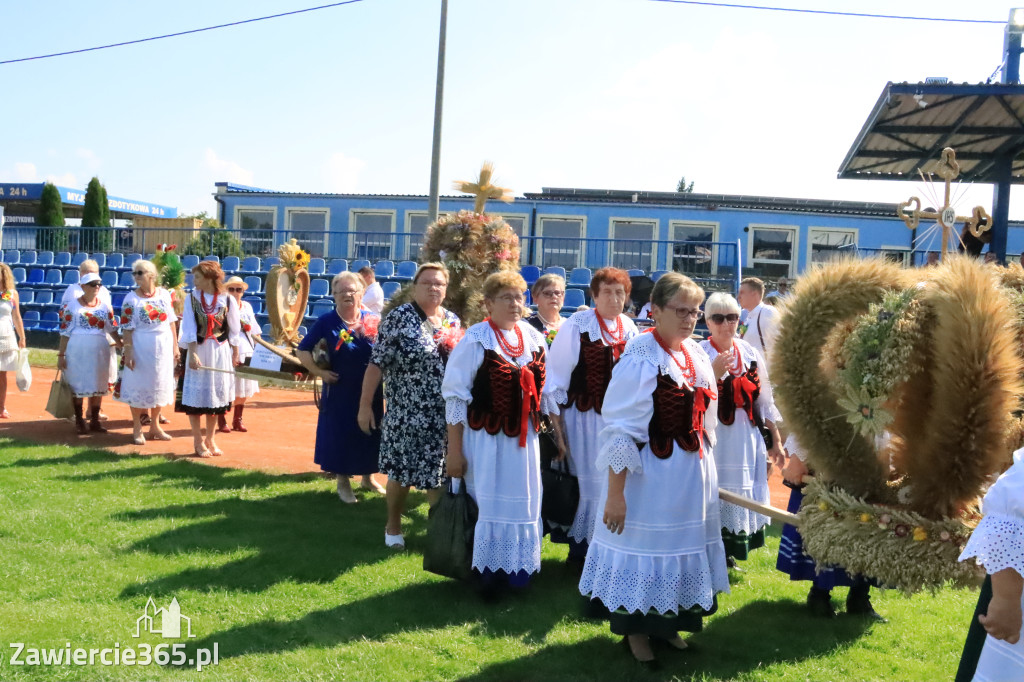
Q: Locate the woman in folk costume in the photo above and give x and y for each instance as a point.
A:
(998, 544)
(549, 295)
(492, 387)
(244, 388)
(745, 404)
(580, 364)
(656, 560)
(210, 330)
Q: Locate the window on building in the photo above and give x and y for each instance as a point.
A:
(692, 250)
(829, 244)
(561, 241)
(372, 234)
(632, 245)
(255, 228)
(309, 229)
(417, 225)
(772, 251)
(518, 224)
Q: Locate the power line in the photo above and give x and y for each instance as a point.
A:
(833, 13)
(179, 33)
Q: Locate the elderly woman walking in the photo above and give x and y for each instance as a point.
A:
(413, 345)
(250, 329)
(12, 332)
(86, 325)
(580, 365)
(150, 351)
(657, 561)
(346, 336)
(745, 405)
(210, 330)
(492, 389)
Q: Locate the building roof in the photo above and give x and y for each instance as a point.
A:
(911, 123)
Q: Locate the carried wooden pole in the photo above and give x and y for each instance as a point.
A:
(753, 505)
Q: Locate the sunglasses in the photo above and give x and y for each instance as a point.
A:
(94, 284)
(138, 273)
(719, 318)
(236, 289)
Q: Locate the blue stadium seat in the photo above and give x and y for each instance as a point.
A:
(30, 320)
(36, 276)
(115, 261)
(230, 264)
(256, 302)
(322, 307)
(359, 264)
(100, 258)
(250, 264)
(26, 296)
(574, 298)
(254, 283)
(390, 289)
(12, 256)
(109, 278)
(213, 258)
(43, 297)
(117, 298)
(27, 258)
(79, 258)
(62, 259)
(384, 270)
(54, 277)
(49, 322)
(303, 331)
(190, 261)
(580, 277)
(317, 266)
(189, 280)
(657, 274)
(45, 258)
(71, 277)
(19, 275)
(405, 271)
(270, 262)
(337, 265)
(319, 288)
(130, 259)
(125, 280)
(267, 329)
(531, 273)
(635, 272)
(555, 270)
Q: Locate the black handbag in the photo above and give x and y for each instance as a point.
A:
(450, 527)
(561, 493)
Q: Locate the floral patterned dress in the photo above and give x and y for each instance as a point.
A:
(150, 319)
(88, 350)
(412, 355)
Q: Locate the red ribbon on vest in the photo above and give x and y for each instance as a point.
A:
(531, 399)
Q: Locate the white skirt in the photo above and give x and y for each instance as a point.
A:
(151, 383)
(205, 390)
(582, 429)
(9, 361)
(88, 358)
(742, 464)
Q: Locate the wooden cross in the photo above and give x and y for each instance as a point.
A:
(978, 222)
(483, 190)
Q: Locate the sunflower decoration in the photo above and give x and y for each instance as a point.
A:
(293, 258)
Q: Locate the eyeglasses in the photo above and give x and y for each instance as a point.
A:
(236, 289)
(432, 285)
(719, 318)
(684, 313)
(509, 299)
(94, 284)
(138, 273)
(553, 293)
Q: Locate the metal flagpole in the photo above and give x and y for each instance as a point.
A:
(435, 155)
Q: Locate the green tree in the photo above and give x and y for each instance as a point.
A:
(95, 233)
(683, 186)
(214, 239)
(51, 214)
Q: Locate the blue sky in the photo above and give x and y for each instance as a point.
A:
(623, 94)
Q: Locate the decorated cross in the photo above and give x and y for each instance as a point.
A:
(978, 222)
(483, 190)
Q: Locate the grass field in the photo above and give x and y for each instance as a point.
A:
(291, 584)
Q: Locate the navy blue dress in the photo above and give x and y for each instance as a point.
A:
(341, 448)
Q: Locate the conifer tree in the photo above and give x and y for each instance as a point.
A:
(51, 214)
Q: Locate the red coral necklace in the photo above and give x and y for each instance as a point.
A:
(510, 350)
(606, 334)
(737, 366)
(689, 370)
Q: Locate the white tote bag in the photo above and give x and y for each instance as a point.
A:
(23, 374)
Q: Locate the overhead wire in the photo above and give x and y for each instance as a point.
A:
(798, 10)
(179, 33)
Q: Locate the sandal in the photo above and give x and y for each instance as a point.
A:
(163, 435)
(202, 454)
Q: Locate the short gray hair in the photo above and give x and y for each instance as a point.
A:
(721, 303)
(348, 275)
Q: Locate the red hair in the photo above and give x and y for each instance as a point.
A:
(211, 271)
(610, 276)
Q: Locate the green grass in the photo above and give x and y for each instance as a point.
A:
(291, 584)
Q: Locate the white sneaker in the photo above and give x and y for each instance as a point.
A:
(394, 541)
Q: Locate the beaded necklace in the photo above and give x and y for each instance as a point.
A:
(689, 370)
(510, 350)
(606, 334)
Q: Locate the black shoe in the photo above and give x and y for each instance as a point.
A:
(731, 562)
(820, 604)
(863, 607)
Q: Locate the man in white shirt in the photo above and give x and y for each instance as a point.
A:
(373, 297)
(762, 323)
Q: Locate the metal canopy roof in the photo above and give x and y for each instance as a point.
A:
(911, 123)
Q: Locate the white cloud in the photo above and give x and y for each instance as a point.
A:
(26, 172)
(225, 170)
(342, 173)
(64, 180)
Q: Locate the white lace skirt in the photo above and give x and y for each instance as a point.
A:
(9, 361)
(88, 358)
(207, 390)
(504, 480)
(582, 429)
(741, 461)
(151, 383)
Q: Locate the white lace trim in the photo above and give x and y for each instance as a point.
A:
(639, 583)
(551, 401)
(583, 525)
(619, 452)
(736, 519)
(586, 322)
(532, 339)
(508, 547)
(997, 543)
(455, 411)
(646, 348)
